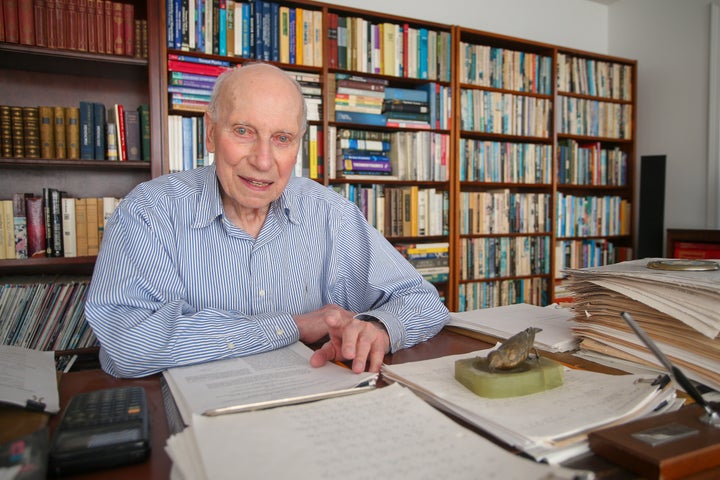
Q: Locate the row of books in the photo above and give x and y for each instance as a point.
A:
(408, 211)
(592, 216)
(45, 315)
(587, 163)
(594, 77)
(53, 224)
(492, 257)
(191, 80)
(506, 162)
(580, 116)
(479, 295)
(587, 252)
(88, 132)
(503, 211)
(431, 260)
(94, 26)
(371, 101)
(394, 49)
(504, 68)
(255, 29)
(505, 113)
(186, 142)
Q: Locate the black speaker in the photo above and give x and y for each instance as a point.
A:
(651, 223)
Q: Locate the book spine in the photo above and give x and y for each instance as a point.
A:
(91, 21)
(81, 235)
(120, 132)
(82, 21)
(129, 29)
(20, 225)
(108, 24)
(37, 239)
(31, 132)
(99, 134)
(367, 166)
(26, 22)
(72, 132)
(68, 227)
(144, 114)
(10, 15)
(16, 118)
(40, 19)
(87, 145)
(6, 150)
(47, 132)
(118, 29)
(56, 222)
(132, 135)
(59, 132)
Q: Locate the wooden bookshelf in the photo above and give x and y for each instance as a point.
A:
(41, 75)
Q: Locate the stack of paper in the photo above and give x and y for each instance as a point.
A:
(504, 322)
(551, 425)
(387, 432)
(680, 311)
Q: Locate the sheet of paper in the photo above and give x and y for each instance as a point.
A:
(585, 400)
(388, 432)
(506, 321)
(279, 374)
(27, 374)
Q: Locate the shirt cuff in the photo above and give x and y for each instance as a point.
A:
(395, 328)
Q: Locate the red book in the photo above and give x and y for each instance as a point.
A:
(51, 23)
(90, 14)
(35, 226)
(61, 19)
(198, 68)
(2, 25)
(71, 24)
(83, 31)
(332, 33)
(406, 30)
(108, 17)
(10, 15)
(119, 114)
(26, 22)
(40, 17)
(118, 30)
(129, 26)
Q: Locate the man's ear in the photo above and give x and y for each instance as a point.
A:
(209, 133)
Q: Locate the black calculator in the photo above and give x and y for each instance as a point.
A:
(101, 429)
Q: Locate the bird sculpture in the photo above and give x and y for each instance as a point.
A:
(513, 351)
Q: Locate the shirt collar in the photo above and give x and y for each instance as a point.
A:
(210, 205)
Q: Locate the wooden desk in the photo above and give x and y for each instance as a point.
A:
(157, 467)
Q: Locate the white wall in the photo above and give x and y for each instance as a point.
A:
(670, 40)
(579, 24)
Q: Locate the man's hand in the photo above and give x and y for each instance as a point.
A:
(350, 339)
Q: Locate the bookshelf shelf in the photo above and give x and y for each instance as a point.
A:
(50, 163)
(48, 266)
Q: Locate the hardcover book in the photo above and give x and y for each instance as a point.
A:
(132, 135)
(99, 134)
(59, 131)
(72, 132)
(35, 214)
(87, 134)
(20, 225)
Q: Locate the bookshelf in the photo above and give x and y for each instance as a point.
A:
(447, 168)
(595, 160)
(60, 63)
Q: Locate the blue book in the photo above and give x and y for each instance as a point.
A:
(87, 142)
(99, 130)
(177, 12)
(394, 93)
(258, 6)
(200, 25)
(433, 92)
(246, 30)
(222, 32)
(376, 119)
(274, 32)
(170, 31)
(293, 35)
(266, 31)
(423, 53)
(205, 61)
(187, 147)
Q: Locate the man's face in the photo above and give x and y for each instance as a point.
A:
(256, 137)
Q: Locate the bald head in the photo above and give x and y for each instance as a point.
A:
(260, 78)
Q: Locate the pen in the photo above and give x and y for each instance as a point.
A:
(712, 416)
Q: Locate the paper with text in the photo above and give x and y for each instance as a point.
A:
(27, 374)
(276, 375)
(388, 433)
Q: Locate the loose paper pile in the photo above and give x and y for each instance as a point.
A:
(680, 311)
(550, 425)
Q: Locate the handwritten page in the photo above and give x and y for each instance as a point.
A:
(533, 422)
(506, 321)
(27, 374)
(277, 375)
(388, 432)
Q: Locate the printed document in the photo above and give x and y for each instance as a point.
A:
(281, 376)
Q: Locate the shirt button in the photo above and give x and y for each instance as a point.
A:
(231, 345)
(261, 293)
(280, 332)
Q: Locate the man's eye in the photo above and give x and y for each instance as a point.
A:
(283, 139)
(241, 130)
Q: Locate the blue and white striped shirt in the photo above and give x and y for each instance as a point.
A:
(177, 283)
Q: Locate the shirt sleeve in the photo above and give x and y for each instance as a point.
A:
(380, 284)
(136, 305)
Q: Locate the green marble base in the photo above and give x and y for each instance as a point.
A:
(531, 376)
